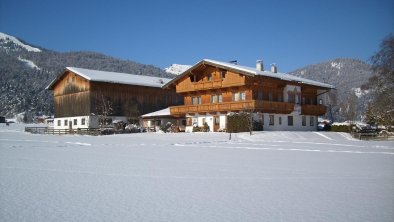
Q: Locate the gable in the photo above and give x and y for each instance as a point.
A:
(69, 83)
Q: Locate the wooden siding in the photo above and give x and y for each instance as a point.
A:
(251, 105)
(313, 110)
(218, 79)
(76, 96)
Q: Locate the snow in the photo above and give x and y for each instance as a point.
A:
(177, 69)
(7, 38)
(269, 176)
(115, 77)
(336, 65)
(359, 92)
(29, 63)
(163, 112)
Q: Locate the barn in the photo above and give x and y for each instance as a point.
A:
(85, 98)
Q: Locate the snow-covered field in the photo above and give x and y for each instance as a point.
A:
(270, 176)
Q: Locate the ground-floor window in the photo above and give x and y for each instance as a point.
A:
(189, 121)
(312, 123)
(272, 120)
(59, 122)
(303, 120)
(290, 120)
(75, 121)
(65, 122)
(83, 121)
(280, 120)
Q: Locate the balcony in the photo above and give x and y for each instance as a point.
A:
(313, 110)
(252, 105)
(206, 85)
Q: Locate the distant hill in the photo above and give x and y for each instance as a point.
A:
(25, 71)
(347, 75)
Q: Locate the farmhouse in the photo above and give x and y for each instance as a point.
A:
(84, 97)
(278, 101)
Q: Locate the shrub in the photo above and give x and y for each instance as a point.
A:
(238, 122)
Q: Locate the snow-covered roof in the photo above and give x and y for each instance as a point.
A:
(163, 112)
(252, 72)
(115, 77)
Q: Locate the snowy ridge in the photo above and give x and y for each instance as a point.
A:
(177, 69)
(29, 63)
(7, 38)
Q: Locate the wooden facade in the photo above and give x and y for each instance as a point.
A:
(212, 89)
(75, 95)
(256, 93)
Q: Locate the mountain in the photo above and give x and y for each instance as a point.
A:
(177, 69)
(348, 76)
(25, 71)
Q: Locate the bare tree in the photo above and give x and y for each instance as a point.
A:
(104, 108)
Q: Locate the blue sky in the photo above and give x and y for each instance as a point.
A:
(290, 33)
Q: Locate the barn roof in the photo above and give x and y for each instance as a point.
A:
(250, 71)
(113, 77)
(159, 113)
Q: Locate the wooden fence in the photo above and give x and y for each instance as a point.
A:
(50, 130)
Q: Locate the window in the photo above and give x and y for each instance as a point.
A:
(65, 122)
(235, 96)
(280, 120)
(303, 120)
(280, 97)
(272, 118)
(75, 122)
(243, 96)
(196, 100)
(291, 98)
(183, 122)
(320, 102)
(222, 74)
(210, 77)
(83, 121)
(220, 98)
(217, 120)
(189, 121)
(312, 121)
(290, 120)
(214, 98)
(193, 78)
(59, 122)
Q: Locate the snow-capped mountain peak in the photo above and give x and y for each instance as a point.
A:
(7, 38)
(177, 69)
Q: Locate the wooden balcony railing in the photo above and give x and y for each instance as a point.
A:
(252, 105)
(313, 110)
(214, 84)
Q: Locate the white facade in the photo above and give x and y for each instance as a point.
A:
(81, 122)
(270, 121)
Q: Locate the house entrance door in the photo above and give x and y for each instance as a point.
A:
(216, 123)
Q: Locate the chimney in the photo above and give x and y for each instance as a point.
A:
(274, 68)
(259, 65)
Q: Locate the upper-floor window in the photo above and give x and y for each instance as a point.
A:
(210, 77)
(239, 96)
(193, 78)
(235, 96)
(222, 74)
(220, 98)
(270, 97)
(196, 100)
(243, 96)
(214, 98)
